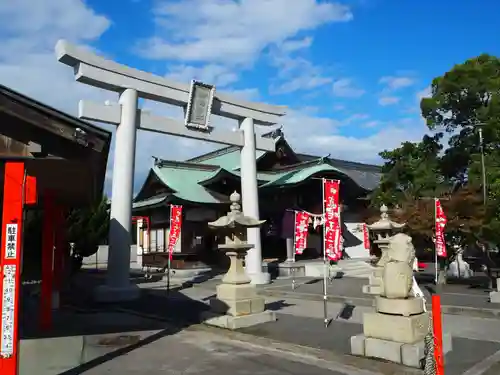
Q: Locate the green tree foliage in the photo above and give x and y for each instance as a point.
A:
(462, 99)
(88, 227)
(467, 95)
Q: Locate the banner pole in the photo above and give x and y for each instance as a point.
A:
(170, 249)
(294, 248)
(435, 245)
(325, 269)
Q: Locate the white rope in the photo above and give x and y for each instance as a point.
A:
(429, 365)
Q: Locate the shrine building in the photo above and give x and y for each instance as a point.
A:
(287, 181)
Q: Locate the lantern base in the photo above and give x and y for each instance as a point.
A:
(236, 322)
(410, 355)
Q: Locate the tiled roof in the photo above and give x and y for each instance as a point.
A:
(186, 179)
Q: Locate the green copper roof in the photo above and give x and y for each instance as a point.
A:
(151, 201)
(184, 181)
(227, 158)
(296, 176)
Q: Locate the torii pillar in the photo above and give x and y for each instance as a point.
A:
(131, 84)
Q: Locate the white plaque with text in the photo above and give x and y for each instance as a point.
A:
(11, 241)
(8, 313)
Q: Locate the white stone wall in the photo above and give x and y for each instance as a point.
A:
(100, 259)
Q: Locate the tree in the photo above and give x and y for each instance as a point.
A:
(88, 227)
(410, 171)
(466, 97)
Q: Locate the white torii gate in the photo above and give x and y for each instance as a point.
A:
(131, 84)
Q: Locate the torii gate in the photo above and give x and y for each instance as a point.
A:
(131, 84)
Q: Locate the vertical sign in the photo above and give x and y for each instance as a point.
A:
(175, 228)
(301, 222)
(331, 209)
(440, 225)
(10, 263)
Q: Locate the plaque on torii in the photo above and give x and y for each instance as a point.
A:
(199, 102)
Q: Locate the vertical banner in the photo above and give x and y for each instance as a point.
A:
(175, 228)
(440, 226)
(332, 227)
(366, 237)
(10, 262)
(301, 224)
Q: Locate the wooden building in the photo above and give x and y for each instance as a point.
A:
(287, 181)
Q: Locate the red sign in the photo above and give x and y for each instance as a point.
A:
(301, 223)
(332, 228)
(175, 228)
(10, 261)
(440, 226)
(366, 237)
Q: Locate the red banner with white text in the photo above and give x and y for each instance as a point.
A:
(366, 237)
(175, 228)
(301, 223)
(440, 226)
(332, 229)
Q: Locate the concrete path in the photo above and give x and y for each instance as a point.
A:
(476, 341)
(457, 299)
(192, 352)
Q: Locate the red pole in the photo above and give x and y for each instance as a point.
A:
(60, 248)
(49, 219)
(437, 328)
(12, 221)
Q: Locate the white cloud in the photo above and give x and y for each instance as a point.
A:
(394, 83)
(233, 32)
(424, 93)
(214, 74)
(292, 45)
(364, 148)
(356, 117)
(295, 74)
(28, 64)
(30, 30)
(388, 100)
(344, 88)
(372, 124)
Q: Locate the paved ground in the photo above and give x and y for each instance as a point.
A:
(178, 350)
(205, 353)
(456, 298)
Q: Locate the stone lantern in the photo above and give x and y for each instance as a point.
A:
(237, 304)
(383, 229)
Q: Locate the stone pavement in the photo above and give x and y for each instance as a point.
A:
(92, 346)
(461, 299)
(300, 322)
(200, 352)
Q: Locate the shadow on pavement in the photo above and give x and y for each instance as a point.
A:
(85, 333)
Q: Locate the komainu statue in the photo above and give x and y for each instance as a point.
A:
(397, 277)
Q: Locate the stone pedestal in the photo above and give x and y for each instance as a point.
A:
(396, 332)
(374, 282)
(237, 304)
(495, 295)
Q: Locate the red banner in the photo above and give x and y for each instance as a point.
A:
(301, 224)
(332, 228)
(175, 228)
(366, 237)
(440, 226)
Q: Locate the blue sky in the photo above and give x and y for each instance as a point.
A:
(350, 72)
